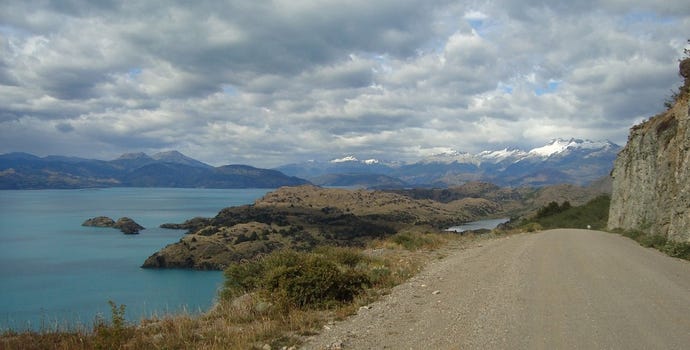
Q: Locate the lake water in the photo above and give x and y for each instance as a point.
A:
(56, 273)
(477, 225)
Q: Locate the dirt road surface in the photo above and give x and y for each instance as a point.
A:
(557, 289)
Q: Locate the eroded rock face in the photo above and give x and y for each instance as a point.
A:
(651, 186)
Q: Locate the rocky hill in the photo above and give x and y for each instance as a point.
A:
(300, 218)
(651, 186)
(305, 217)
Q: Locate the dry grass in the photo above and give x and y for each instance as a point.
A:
(248, 321)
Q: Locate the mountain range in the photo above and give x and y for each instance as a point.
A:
(166, 169)
(571, 161)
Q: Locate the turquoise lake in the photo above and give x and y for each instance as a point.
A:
(54, 273)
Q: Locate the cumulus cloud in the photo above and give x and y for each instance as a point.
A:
(272, 82)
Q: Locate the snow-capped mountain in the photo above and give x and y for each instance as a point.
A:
(559, 147)
(344, 159)
(559, 161)
(348, 164)
(555, 148)
(451, 156)
(354, 160)
(500, 155)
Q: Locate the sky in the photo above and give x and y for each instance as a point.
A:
(268, 83)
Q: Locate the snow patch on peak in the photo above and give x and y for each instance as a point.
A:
(558, 146)
(345, 159)
(452, 156)
(501, 155)
(371, 161)
(554, 147)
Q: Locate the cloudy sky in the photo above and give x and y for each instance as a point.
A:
(272, 82)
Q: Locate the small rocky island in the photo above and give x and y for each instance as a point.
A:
(124, 224)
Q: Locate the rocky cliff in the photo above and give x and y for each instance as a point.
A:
(651, 186)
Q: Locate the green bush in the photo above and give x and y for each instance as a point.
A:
(412, 241)
(552, 208)
(532, 227)
(115, 334)
(677, 249)
(669, 247)
(653, 241)
(315, 282)
(633, 234)
(347, 256)
(594, 213)
(296, 280)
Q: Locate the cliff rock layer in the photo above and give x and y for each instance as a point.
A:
(651, 185)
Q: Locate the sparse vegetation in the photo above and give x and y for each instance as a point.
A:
(311, 262)
(594, 214)
(276, 299)
(672, 248)
(297, 280)
(416, 241)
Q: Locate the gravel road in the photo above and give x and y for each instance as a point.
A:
(557, 289)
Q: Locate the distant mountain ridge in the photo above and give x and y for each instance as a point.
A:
(165, 169)
(574, 161)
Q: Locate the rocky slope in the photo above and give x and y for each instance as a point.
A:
(305, 217)
(651, 187)
(302, 218)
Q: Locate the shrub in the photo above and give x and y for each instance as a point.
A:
(532, 227)
(296, 280)
(315, 282)
(552, 208)
(677, 249)
(415, 241)
(114, 335)
(347, 256)
(653, 241)
(594, 213)
(633, 234)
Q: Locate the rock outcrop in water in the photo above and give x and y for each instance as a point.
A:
(99, 221)
(124, 224)
(651, 186)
